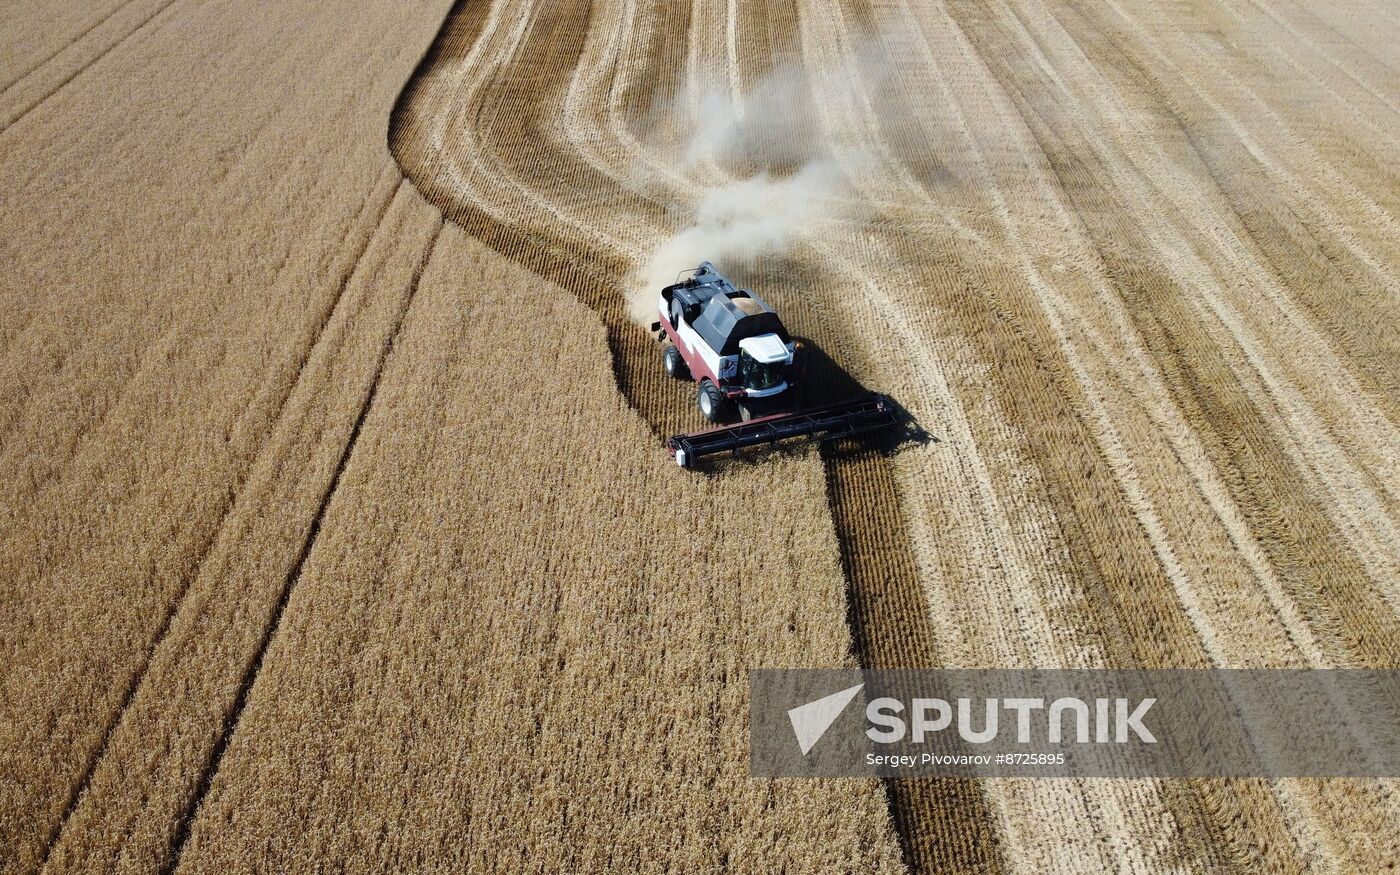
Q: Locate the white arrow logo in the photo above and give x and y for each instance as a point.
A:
(812, 720)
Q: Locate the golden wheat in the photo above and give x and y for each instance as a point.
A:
(334, 527)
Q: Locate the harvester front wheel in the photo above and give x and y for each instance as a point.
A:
(713, 402)
(674, 363)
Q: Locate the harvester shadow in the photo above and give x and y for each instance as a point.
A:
(826, 382)
(823, 382)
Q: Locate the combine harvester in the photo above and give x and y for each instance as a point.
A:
(735, 347)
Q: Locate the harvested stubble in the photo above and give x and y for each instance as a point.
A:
(1135, 265)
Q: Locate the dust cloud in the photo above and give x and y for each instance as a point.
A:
(769, 169)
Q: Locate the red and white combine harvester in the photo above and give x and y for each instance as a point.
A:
(746, 364)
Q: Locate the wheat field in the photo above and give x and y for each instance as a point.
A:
(335, 526)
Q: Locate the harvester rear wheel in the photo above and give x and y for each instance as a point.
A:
(674, 363)
(713, 402)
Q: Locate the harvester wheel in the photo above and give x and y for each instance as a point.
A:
(713, 402)
(675, 363)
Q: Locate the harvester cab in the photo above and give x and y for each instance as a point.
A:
(737, 350)
(728, 340)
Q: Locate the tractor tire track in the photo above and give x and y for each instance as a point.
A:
(203, 552)
(14, 116)
(250, 675)
(77, 38)
(299, 451)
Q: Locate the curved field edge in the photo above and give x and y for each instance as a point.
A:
(220, 530)
(941, 823)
